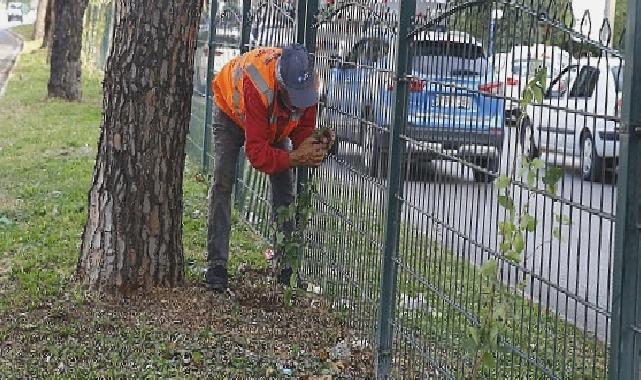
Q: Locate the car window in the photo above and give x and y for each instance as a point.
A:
(585, 82)
(15, 6)
(448, 48)
(617, 71)
(558, 86)
(368, 50)
(447, 58)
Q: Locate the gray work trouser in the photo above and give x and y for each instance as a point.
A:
(228, 139)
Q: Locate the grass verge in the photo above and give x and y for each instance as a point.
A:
(51, 327)
(439, 293)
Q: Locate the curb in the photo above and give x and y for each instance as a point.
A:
(13, 60)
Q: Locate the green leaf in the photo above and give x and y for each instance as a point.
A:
(552, 175)
(488, 269)
(542, 75)
(474, 333)
(280, 238)
(538, 164)
(556, 232)
(494, 334)
(488, 360)
(288, 295)
(538, 93)
(500, 312)
(469, 345)
(528, 223)
(513, 257)
(503, 182)
(526, 97)
(506, 202)
(506, 228)
(531, 178)
(519, 243)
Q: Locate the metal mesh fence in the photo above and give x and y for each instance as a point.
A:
(466, 223)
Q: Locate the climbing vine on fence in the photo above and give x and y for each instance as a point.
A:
(484, 342)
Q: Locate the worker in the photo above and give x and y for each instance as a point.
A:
(265, 100)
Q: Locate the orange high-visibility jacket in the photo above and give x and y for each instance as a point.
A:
(259, 65)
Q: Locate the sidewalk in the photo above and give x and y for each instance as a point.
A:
(10, 47)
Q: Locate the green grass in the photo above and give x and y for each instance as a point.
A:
(25, 31)
(47, 154)
(49, 326)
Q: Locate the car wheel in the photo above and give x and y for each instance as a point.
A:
(591, 164)
(489, 174)
(374, 158)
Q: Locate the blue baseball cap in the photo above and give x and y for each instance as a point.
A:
(296, 73)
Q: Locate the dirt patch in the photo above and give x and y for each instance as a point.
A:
(189, 330)
(8, 204)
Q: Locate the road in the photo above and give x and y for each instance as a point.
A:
(571, 276)
(9, 48)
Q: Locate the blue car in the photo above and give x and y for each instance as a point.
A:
(454, 111)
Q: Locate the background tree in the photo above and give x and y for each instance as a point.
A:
(49, 22)
(621, 14)
(133, 235)
(66, 66)
(39, 27)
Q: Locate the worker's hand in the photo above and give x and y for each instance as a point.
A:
(310, 153)
(328, 137)
(325, 136)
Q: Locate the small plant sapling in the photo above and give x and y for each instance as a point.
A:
(292, 246)
(483, 342)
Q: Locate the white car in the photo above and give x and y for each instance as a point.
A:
(577, 123)
(14, 12)
(517, 67)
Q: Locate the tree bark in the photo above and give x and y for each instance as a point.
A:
(133, 236)
(49, 23)
(66, 66)
(39, 28)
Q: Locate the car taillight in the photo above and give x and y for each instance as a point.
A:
(617, 107)
(490, 88)
(511, 81)
(415, 85)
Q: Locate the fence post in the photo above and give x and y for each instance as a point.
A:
(394, 191)
(626, 291)
(246, 26)
(213, 11)
(245, 32)
(306, 12)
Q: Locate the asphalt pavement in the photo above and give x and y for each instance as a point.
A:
(10, 46)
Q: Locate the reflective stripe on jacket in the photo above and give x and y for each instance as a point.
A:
(259, 65)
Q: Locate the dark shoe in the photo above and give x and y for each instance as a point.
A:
(284, 276)
(216, 278)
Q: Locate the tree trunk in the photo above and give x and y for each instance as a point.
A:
(49, 23)
(39, 28)
(64, 80)
(133, 236)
